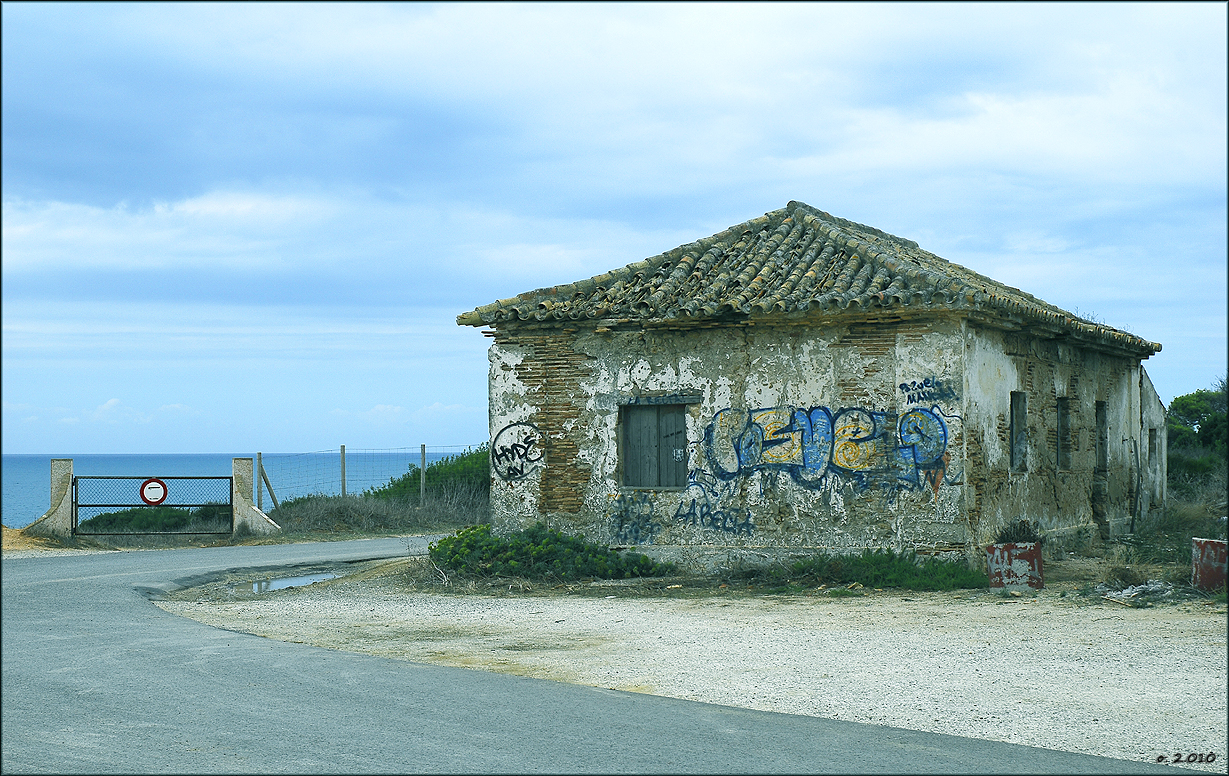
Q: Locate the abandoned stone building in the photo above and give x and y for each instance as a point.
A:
(801, 381)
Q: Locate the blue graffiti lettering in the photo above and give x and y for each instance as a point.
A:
(865, 447)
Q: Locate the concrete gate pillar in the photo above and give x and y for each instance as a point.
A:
(246, 513)
(58, 520)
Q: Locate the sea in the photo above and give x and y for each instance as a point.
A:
(26, 479)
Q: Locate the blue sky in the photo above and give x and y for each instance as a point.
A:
(251, 227)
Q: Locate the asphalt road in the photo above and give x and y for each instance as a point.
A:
(98, 679)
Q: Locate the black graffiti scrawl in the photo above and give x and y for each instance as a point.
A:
(516, 451)
(632, 520)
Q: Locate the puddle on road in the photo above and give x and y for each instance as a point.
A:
(279, 583)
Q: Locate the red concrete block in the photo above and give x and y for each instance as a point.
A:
(1015, 564)
(1208, 561)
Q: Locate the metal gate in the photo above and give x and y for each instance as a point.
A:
(120, 506)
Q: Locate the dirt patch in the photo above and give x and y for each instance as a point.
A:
(14, 539)
(1062, 668)
(18, 544)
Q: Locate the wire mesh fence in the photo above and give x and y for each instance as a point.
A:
(376, 489)
(143, 505)
(356, 471)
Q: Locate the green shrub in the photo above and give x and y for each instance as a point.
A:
(458, 493)
(467, 473)
(875, 568)
(539, 553)
(211, 517)
(1192, 463)
(1198, 440)
(1199, 420)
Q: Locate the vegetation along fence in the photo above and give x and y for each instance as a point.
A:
(362, 489)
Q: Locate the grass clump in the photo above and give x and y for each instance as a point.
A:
(322, 515)
(1166, 538)
(1020, 532)
(875, 569)
(539, 553)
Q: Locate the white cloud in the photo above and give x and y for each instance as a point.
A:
(221, 230)
(432, 158)
(248, 207)
(115, 411)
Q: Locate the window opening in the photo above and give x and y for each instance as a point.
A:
(1103, 438)
(1063, 445)
(654, 446)
(1019, 431)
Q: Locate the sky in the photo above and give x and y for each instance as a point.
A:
(245, 227)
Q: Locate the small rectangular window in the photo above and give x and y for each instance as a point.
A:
(1151, 448)
(654, 446)
(1103, 438)
(1063, 444)
(1019, 431)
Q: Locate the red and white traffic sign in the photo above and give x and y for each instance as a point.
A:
(153, 491)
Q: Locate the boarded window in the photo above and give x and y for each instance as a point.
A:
(1019, 431)
(1063, 445)
(653, 449)
(1103, 438)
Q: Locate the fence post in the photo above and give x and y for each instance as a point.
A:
(422, 476)
(264, 476)
(259, 490)
(343, 470)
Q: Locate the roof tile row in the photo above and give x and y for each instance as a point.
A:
(791, 260)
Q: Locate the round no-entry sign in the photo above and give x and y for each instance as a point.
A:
(153, 491)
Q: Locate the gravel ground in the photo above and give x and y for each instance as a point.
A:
(51, 553)
(1057, 671)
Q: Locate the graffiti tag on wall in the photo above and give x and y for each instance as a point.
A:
(516, 451)
(699, 511)
(632, 520)
(865, 447)
(931, 389)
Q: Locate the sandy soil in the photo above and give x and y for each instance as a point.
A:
(17, 544)
(1056, 669)
(14, 539)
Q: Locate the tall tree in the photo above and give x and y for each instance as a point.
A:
(1198, 420)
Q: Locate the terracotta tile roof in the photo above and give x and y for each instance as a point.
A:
(788, 262)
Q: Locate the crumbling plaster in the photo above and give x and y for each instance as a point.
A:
(1152, 457)
(909, 421)
(1061, 500)
(775, 371)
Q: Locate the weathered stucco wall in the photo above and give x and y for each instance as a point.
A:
(1153, 447)
(838, 436)
(1075, 503)
(797, 436)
